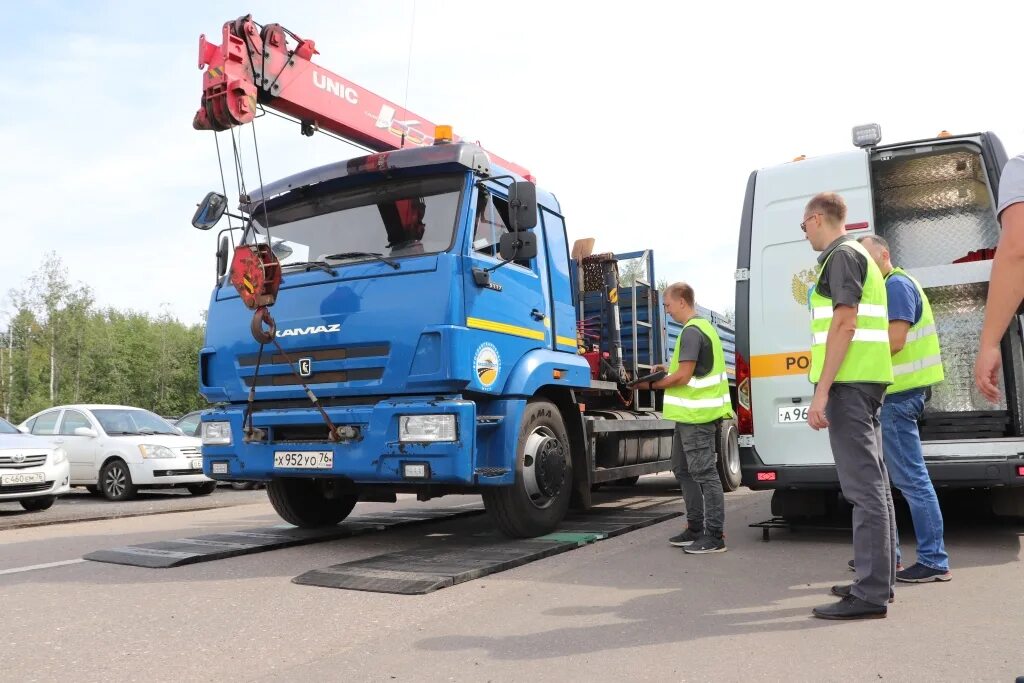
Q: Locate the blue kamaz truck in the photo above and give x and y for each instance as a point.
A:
(414, 321)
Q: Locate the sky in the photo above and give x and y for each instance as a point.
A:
(644, 119)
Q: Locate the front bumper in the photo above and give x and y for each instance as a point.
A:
(375, 455)
(166, 472)
(57, 481)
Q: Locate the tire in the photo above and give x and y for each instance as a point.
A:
(538, 500)
(116, 481)
(94, 490)
(727, 443)
(309, 503)
(39, 503)
(204, 489)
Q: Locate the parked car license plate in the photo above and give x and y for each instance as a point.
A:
(197, 464)
(27, 478)
(793, 413)
(304, 460)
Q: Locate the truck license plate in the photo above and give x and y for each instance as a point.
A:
(304, 460)
(793, 414)
(18, 479)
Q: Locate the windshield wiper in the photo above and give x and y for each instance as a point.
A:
(372, 254)
(309, 265)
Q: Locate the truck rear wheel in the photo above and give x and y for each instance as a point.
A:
(729, 455)
(539, 498)
(309, 503)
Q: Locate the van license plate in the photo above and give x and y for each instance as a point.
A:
(18, 479)
(793, 414)
(304, 460)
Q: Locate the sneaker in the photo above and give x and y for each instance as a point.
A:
(899, 566)
(850, 608)
(684, 539)
(706, 544)
(843, 591)
(919, 573)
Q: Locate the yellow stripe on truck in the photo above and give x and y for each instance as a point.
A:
(778, 364)
(494, 326)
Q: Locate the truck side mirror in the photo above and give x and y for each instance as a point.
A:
(210, 210)
(522, 205)
(518, 246)
(222, 256)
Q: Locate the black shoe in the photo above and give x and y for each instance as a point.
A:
(850, 608)
(684, 539)
(899, 566)
(706, 544)
(919, 573)
(843, 591)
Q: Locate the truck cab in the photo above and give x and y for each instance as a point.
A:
(398, 310)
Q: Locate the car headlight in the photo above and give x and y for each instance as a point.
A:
(150, 451)
(59, 456)
(426, 428)
(216, 433)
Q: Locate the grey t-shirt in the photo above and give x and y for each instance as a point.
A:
(697, 347)
(842, 281)
(1011, 183)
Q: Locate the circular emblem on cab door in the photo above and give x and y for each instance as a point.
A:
(487, 363)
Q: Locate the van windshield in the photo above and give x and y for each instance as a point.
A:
(394, 219)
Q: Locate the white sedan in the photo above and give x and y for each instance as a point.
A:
(116, 450)
(32, 472)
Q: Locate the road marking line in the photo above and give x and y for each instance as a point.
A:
(18, 570)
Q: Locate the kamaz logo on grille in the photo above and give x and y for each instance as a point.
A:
(317, 329)
(305, 367)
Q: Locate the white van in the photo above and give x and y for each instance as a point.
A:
(934, 202)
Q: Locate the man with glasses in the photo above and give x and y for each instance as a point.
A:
(851, 368)
(696, 399)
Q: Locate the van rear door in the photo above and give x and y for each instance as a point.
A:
(782, 268)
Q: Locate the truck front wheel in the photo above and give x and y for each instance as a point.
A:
(310, 503)
(539, 498)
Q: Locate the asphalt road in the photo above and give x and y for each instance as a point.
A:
(626, 608)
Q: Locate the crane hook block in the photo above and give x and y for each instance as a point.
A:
(256, 274)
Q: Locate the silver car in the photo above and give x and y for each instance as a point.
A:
(32, 471)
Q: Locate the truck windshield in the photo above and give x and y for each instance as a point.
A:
(392, 219)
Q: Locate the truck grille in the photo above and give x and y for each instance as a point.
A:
(31, 460)
(275, 371)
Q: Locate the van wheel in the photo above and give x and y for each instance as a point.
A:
(310, 503)
(728, 445)
(1007, 502)
(39, 503)
(538, 500)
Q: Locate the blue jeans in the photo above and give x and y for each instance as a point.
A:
(905, 462)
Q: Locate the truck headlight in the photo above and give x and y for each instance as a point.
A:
(426, 428)
(59, 456)
(151, 451)
(216, 433)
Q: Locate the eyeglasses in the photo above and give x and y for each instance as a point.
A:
(803, 225)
